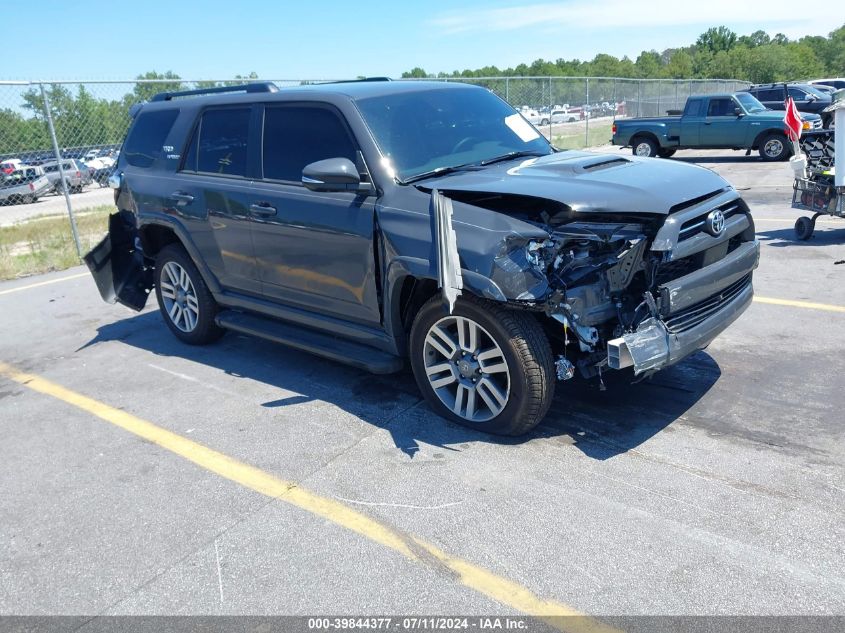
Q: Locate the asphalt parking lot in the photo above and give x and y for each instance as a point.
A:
(143, 476)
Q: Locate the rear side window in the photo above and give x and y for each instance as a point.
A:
(693, 107)
(219, 143)
(770, 95)
(145, 141)
(295, 136)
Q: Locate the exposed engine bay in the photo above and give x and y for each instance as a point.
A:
(599, 278)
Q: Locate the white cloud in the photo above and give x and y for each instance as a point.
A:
(603, 15)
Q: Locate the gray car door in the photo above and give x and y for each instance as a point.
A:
(313, 250)
(213, 192)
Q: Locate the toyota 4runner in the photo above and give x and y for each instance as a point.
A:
(376, 221)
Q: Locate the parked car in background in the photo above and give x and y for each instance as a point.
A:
(837, 83)
(558, 116)
(101, 168)
(807, 98)
(718, 121)
(24, 185)
(10, 165)
(76, 173)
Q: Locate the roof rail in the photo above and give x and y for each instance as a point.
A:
(258, 86)
(363, 79)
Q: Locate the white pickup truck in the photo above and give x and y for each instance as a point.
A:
(23, 186)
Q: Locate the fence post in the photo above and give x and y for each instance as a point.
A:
(588, 113)
(507, 89)
(49, 114)
(639, 98)
(551, 107)
(659, 90)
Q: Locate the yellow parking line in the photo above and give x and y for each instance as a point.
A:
(42, 283)
(481, 580)
(809, 305)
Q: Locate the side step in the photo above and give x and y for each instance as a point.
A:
(343, 351)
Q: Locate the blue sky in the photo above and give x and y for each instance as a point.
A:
(332, 39)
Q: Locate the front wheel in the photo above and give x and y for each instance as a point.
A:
(666, 153)
(774, 147)
(483, 366)
(185, 301)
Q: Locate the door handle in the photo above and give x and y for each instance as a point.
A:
(263, 209)
(181, 197)
(708, 122)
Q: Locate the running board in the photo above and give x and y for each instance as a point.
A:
(307, 340)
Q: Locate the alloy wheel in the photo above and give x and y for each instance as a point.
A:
(466, 368)
(179, 296)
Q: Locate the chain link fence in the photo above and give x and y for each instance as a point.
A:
(59, 140)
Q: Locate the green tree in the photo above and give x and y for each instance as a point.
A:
(648, 65)
(415, 73)
(717, 39)
(146, 91)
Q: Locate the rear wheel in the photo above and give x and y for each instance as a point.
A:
(183, 298)
(774, 147)
(483, 366)
(644, 147)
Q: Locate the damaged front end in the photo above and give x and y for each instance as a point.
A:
(627, 290)
(118, 265)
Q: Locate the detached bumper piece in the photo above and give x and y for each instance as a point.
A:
(659, 343)
(118, 266)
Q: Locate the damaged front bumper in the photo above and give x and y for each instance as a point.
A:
(698, 317)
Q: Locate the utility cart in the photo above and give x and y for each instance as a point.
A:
(818, 189)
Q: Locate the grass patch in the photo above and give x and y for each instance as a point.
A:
(45, 244)
(576, 137)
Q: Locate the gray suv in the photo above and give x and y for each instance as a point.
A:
(378, 222)
(76, 174)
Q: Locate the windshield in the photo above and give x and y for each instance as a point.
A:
(749, 102)
(815, 91)
(428, 130)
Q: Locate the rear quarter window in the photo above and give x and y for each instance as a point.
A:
(144, 143)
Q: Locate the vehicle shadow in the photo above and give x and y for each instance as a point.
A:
(601, 424)
(752, 158)
(827, 235)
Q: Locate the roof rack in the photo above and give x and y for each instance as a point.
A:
(258, 86)
(363, 79)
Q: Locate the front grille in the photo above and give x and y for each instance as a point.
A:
(696, 314)
(678, 268)
(695, 225)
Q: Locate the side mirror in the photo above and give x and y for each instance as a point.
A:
(739, 112)
(333, 174)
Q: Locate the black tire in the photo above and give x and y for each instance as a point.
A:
(644, 147)
(804, 228)
(524, 348)
(775, 147)
(544, 122)
(204, 330)
(666, 153)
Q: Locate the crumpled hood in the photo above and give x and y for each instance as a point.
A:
(589, 182)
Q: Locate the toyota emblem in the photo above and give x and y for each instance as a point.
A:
(715, 222)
